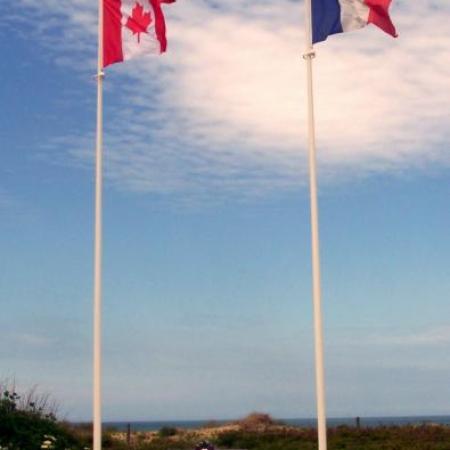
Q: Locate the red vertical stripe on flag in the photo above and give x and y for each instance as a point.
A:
(379, 15)
(160, 24)
(112, 32)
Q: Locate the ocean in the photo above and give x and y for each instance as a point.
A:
(309, 423)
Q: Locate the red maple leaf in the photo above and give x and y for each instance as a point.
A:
(139, 21)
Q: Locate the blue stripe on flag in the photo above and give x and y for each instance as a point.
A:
(326, 19)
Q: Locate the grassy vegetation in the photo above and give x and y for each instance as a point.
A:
(29, 423)
(381, 438)
(260, 432)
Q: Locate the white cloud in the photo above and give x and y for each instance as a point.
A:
(427, 337)
(224, 110)
(383, 349)
(393, 338)
(16, 343)
(33, 340)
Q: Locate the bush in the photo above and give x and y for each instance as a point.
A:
(29, 423)
(167, 432)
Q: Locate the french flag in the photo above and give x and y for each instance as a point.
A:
(132, 28)
(339, 16)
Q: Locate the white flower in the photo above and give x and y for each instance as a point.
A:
(48, 443)
(49, 436)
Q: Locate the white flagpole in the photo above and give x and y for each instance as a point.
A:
(97, 353)
(318, 332)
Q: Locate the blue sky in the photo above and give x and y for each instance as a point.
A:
(207, 303)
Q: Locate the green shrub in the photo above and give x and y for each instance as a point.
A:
(26, 424)
(167, 432)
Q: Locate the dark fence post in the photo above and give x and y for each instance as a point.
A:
(129, 434)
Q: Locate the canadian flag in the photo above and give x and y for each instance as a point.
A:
(132, 28)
